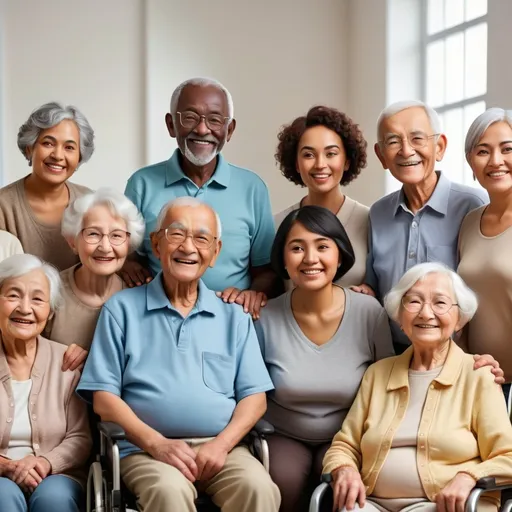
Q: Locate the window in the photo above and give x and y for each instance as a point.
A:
(455, 73)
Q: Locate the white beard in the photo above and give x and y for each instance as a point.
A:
(199, 161)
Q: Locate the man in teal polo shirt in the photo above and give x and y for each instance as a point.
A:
(201, 120)
(182, 373)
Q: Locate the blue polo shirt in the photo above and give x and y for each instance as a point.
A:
(400, 239)
(181, 376)
(239, 196)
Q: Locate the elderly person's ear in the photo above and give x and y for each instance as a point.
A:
(217, 247)
(72, 244)
(380, 156)
(153, 236)
(441, 144)
(231, 129)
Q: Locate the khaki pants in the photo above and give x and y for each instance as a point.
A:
(242, 485)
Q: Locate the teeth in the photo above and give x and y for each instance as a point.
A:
(311, 272)
(408, 164)
(56, 167)
(19, 321)
(426, 326)
(497, 173)
(203, 142)
(187, 262)
(321, 175)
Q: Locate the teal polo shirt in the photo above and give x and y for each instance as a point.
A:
(181, 376)
(239, 196)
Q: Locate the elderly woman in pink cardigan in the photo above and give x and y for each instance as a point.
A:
(45, 439)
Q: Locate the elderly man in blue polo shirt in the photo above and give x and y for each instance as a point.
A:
(182, 373)
(202, 121)
(421, 221)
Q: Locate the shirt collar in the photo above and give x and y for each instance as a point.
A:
(399, 377)
(438, 200)
(156, 298)
(174, 172)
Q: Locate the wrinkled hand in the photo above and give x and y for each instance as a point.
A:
(32, 480)
(210, 459)
(134, 274)
(251, 300)
(176, 453)
(74, 358)
(22, 468)
(488, 360)
(363, 288)
(453, 497)
(348, 488)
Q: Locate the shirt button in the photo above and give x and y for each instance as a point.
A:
(432, 386)
(412, 254)
(422, 446)
(34, 417)
(9, 420)
(11, 404)
(421, 435)
(36, 446)
(414, 224)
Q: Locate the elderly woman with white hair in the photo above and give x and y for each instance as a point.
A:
(45, 441)
(485, 241)
(102, 228)
(56, 140)
(424, 426)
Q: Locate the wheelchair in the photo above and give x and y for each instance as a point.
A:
(105, 489)
(483, 485)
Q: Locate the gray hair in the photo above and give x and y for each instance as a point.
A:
(119, 206)
(201, 82)
(50, 115)
(186, 201)
(482, 122)
(21, 264)
(395, 108)
(465, 297)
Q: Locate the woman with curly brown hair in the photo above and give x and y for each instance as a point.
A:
(321, 151)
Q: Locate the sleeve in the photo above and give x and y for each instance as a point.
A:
(264, 232)
(251, 374)
(260, 333)
(15, 246)
(75, 448)
(345, 449)
(493, 430)
(381, 342)
(105, 363)
(134, 196)
(371, 278)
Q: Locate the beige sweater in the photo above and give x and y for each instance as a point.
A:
(43, 240)
(9, 245)
(60, 428)
(74, 321)
(485, 265)
(354, 218)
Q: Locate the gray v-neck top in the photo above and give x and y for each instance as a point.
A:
(316, 385)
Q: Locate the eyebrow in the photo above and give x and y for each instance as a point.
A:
(55, 140)
(486, 145)
(179, 225)
(311, 148)
(319, 239)
(20, 291)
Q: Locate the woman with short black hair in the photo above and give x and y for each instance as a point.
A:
(317, 341)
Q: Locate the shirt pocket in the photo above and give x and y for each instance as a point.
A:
(217, 372)
(442, 254)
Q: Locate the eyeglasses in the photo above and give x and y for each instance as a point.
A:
(178, 236)
(440, 305)
(93, 236)
(416, 141)
(190, 120)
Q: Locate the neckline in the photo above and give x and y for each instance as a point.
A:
(485, 237)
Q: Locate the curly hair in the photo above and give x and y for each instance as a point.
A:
(352, 137)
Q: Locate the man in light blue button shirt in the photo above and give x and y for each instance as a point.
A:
(171, 360)
(201, 120)
(421, 221)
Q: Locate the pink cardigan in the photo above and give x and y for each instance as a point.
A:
(60, 428)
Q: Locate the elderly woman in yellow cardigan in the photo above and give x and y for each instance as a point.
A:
(424, 426)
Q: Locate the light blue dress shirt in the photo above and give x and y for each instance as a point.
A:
(239, 196)
(398, 239)
(181, 376)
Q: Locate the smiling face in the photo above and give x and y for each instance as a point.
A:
(103, 258)
(397, 135)
(426, 327)
(56, 153)
(311, 260)
(491, 158)
(321, 159)
(24, 306)
(200, 145)
(183, 261)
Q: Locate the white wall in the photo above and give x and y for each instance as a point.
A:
(89, 54)
(278, 58)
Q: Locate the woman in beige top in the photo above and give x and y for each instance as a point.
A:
(485, 239)
(45, 439)
(55, 140)
(102, 228)
(321, 151)
(425, 426)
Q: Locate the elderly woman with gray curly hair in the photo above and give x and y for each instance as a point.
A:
(55, 140)
(45, 441)
(424, 426)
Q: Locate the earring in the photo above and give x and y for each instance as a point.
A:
(474, 177)
(30, 162)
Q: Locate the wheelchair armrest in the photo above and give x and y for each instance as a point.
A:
(326, 478)
(111, 430)
(262, 428)
(487, 483)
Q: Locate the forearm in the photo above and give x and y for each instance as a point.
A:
(247, 412)
(113, 408)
